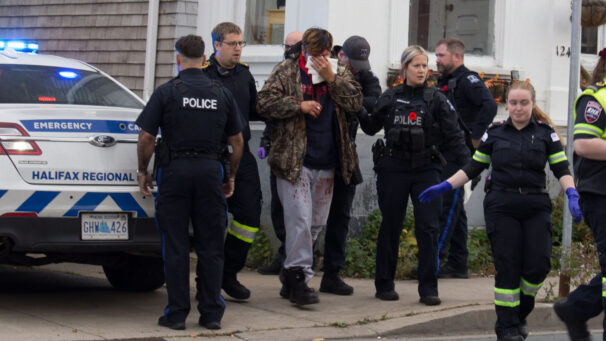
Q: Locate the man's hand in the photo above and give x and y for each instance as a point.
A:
(228, 188)
(312, 108)
(322, 65)
(145, 184)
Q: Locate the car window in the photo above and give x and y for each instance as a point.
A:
(44, 84)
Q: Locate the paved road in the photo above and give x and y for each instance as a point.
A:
(541, 337)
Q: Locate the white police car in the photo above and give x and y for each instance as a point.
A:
(68, 184)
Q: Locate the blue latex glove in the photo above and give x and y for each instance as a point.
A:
(434, 191)
(261, 153)
(573, 204)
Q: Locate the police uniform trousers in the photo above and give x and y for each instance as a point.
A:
(393, 189)
(452, 244)
(589, 300)
(337, 225)
(519, 229)
(277, 217)
(245, 205)
(191, 189)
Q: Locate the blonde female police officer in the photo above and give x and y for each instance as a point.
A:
(517, 208)
(419, 123)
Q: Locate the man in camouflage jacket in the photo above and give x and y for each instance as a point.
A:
(309, 141)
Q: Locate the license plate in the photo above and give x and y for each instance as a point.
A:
(104, 226)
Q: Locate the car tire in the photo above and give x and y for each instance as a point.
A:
(136, 273)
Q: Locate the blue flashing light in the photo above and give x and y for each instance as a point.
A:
(68, 74)
(20, 45)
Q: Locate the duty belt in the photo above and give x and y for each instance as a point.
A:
(521, 190)
(398, 153)
(192, 154)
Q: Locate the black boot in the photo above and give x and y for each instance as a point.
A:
(285, 290)
(332, 283)
(233, 288)
(577, 330)
(300, 293)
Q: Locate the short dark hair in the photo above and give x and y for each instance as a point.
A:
(316, 40)
(453, 45)
(190, 46)
(219, 32)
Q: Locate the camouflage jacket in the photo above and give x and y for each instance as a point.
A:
(280, 99)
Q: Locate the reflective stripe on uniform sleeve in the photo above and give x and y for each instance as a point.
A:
(529, 289)
(481, 157)
(557, 157)
(243, 232)
(603, 286)
(507, 297)
(584, 128)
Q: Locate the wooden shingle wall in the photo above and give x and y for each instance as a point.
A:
(109, 34)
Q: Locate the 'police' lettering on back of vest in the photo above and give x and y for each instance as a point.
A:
(200, 103)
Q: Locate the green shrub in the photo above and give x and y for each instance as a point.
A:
(260, 252)
(480, 254)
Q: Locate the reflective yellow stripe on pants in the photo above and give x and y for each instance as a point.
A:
(507, 297)
(243, 232)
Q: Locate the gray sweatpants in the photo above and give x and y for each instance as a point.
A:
(306, 206)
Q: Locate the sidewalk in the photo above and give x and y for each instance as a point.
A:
(466, 309)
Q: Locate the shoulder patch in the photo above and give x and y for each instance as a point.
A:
(244, 64)
(473, 79)
(554, 137)
(593, 110)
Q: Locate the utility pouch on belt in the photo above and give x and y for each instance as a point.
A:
(224, 159)
(378, 150)
(161, 156)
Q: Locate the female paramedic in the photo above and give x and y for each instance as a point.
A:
(517, 208)
(419, 123)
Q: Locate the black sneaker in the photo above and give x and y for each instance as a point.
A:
(236, 290)
(430, 300)
(213, 325)
(332, 283)
(390, 295)
(164, 322)
(448, 271)
(577, 330)
(271, 269)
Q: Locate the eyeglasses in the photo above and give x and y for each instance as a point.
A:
(233, 44)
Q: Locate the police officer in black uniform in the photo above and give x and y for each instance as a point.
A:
(517, 207)
(245, 205)
(589, 300)
(419, 124)
(476, 108)
(195, 114)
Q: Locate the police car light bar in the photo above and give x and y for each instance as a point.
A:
(20, 45)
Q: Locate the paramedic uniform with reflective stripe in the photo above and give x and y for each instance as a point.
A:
(245, 203)
(517, 210)
(588, 301)
(194, 120)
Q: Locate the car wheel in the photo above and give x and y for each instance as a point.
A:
(136, 273)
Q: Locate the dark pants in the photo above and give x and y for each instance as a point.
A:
(453, 224)
(337, 225)
(191, 188)
(393, 189)
(277, 217)
(519, 229)
(245, 205)
(587, 300)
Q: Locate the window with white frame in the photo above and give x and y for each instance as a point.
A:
(264, 22)
(469, 20)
